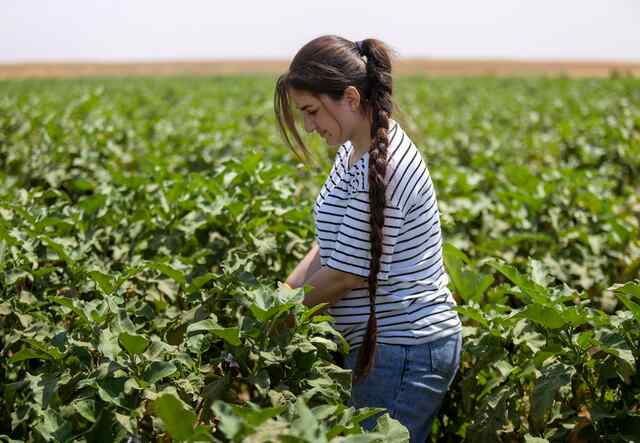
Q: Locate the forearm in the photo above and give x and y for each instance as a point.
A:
(327, 286)
(307, 267)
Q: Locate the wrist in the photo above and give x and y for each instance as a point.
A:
(287, 285)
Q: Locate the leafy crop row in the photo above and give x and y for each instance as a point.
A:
(144, 224)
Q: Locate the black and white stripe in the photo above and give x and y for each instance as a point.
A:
(413, 302)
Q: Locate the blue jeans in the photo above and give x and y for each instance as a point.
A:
(410, 381)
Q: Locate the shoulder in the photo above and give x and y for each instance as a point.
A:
(405, 165)
(404, 169)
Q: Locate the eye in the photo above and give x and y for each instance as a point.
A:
(313, 112)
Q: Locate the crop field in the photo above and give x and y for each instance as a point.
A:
(145, 225)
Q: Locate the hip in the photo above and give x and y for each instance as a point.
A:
(440, 355)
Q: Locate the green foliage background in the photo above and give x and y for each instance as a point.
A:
(144, 223)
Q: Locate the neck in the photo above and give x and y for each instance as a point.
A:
(361, 140)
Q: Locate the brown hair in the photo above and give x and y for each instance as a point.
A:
(327, 65)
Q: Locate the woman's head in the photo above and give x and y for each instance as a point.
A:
(340, 87)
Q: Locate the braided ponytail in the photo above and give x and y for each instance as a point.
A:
(380, 89)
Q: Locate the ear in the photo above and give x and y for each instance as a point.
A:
(352, 97)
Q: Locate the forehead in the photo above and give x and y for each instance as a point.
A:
(303, 98)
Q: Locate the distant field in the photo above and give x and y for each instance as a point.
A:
(405, 66)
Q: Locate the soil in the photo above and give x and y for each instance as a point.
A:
(429, 67)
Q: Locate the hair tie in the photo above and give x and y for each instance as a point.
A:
(359, 46)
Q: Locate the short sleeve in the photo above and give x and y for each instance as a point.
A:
(352, 248)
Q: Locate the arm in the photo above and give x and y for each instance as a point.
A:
(308, 266)
(329, 285)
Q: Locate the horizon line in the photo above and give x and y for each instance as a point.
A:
(487, 59)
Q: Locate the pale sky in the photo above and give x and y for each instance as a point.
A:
(148, 30)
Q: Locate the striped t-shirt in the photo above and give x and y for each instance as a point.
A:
(413, 303)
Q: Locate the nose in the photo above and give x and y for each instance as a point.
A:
(309, 125)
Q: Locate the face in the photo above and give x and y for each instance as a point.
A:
(334, 120)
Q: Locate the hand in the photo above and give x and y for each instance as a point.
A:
(288, 322)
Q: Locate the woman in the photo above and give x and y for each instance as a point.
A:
(377, 260)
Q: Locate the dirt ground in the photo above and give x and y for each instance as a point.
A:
(430, 67)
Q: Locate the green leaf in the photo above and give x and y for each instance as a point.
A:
(575, 316)
(504, 367)
(133, 343)
(5, 309)
(169, 271)
(86, 408)
(530, 338)
(537, 293)
(470, 284)
(543, 315)
(58, 249)
(178, 419)
(92, 203)
(308, 313)
(554, 376)
(626, 293)
(230, 335)
(107, 428)
(26, 354)
(325, 343)
(81, 184)
(103, 280)
(112, 390)
(200, 281)
(124, 322)
(392, 429)
(198, 343)
(202, 326)
(539, 273)
(616, 345)
(491, 416)
(305, 425)
(48, 349)
(53, 427)
(265, 304)
(127, 422)
(265, 245)
(158, 370)
(230, 423)
(255, 416)
(38, 350)
(108, 344)
(70, 304)
(472, 312)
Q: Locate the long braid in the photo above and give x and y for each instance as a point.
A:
(380, 102)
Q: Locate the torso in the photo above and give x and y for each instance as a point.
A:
(413, 298)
